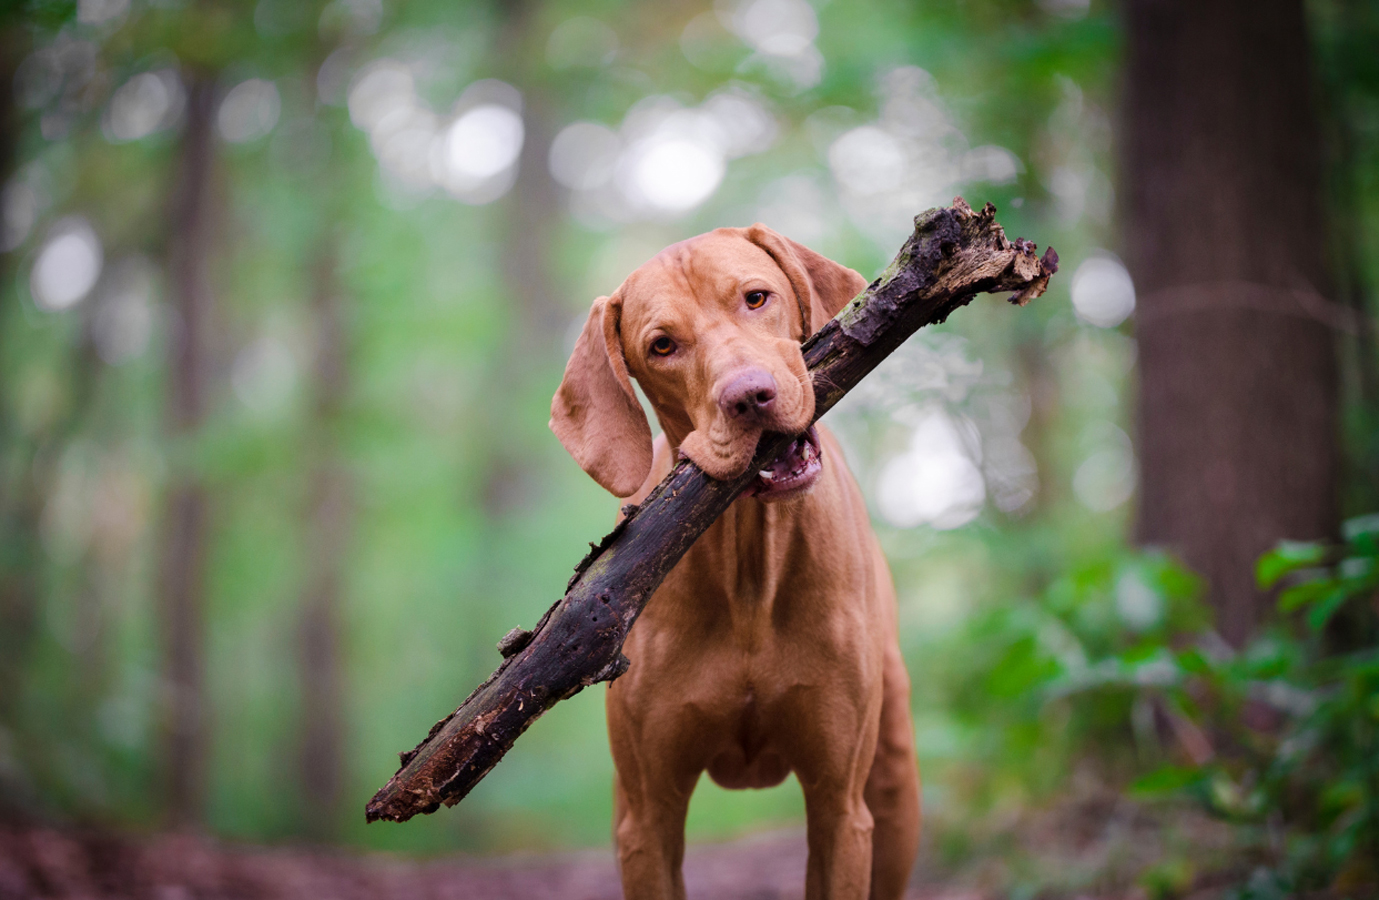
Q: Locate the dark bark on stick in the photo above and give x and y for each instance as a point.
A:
(953, 255)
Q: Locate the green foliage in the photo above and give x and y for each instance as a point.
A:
(1115, 664)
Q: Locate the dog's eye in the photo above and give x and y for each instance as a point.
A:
(663, 346)
(756, 299)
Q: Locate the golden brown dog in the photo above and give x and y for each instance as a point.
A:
(771, 647)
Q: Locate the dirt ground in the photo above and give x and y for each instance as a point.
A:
(1090, 844)
(48, 863)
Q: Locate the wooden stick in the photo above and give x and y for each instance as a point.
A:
(953, 255)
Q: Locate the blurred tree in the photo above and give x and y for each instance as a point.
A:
(33, 453)
(328, 529)
(186, 515)
(532, 219)
(18, 505)
(328, 517)
(1222, 188)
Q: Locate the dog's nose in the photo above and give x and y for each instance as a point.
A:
(749, 395)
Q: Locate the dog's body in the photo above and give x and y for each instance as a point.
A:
(771, 647)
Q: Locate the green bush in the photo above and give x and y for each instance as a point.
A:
(1115, 667)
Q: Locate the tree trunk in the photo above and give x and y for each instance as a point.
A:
(19, 506)
(1238, 375)
(531, 216)
(186, 515)
(328, 518)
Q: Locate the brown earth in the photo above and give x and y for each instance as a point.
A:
(75, 865)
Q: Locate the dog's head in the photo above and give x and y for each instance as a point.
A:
(711, 328)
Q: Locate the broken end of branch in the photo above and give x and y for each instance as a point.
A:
(1025, 273)
(1043, 269)
(390, 810)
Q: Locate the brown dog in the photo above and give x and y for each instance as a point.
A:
(771, 647)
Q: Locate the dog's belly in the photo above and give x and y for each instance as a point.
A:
(744, 756)
(732, 769)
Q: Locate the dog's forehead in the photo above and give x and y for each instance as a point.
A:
(715, 264)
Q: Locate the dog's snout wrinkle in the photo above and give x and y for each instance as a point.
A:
(749, 395)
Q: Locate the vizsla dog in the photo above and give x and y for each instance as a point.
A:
(771, 647)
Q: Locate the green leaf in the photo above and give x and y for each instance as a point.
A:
(1298, 596)
(1321, 612)
(1193, 662)
(1360, 525)
(1166, 780)
(1287, 557)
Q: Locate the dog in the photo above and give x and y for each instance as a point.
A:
(771, 647)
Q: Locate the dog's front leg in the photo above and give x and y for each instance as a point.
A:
(840, 830)
(832, 761)
(650, 833)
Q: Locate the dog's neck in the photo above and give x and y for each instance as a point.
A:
(752, 551)
(749, 545)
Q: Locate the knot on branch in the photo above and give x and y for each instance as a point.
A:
(514, 641)
(613, 670)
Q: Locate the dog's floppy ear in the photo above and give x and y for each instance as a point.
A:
(595, 413)
(822, 286)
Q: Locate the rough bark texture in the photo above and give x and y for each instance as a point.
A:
(186, 517)
(953, 254)
(1238, 376)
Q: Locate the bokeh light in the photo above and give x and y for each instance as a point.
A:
(936, 482)
(1106, 477)
(483, 142)
(670, 172)
(123, 323)
(584, 155)
(264, 375)
(67, 266)
(249, 111)
(101, 12)
(146, 103)
(1102, 291)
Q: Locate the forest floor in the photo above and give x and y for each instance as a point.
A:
(51, 863)
(1097, 845)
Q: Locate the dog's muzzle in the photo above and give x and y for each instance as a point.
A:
(791, 473)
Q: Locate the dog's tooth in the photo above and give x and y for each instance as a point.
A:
(766, 473)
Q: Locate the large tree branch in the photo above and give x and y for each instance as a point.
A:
(953, 255)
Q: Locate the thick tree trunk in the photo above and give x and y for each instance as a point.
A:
(328, 528)
(1225, 238)
(186, 514)
(953, 255)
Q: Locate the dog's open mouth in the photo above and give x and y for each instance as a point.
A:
(792, 472)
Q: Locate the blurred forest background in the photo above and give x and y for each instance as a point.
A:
(286, 288)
